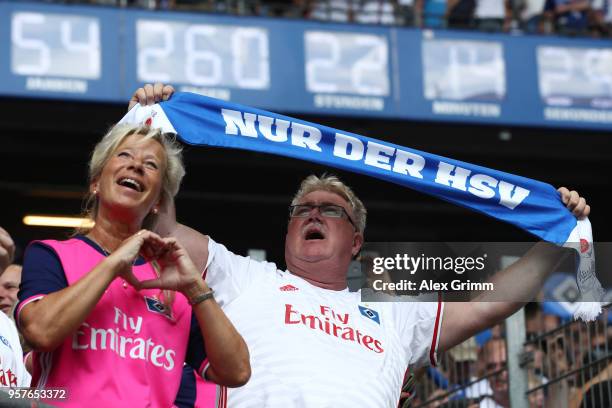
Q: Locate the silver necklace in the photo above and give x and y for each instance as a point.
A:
(106, 251)
(107, 254)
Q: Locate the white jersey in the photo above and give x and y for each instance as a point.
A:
(490, 9)
(482, 389)
(12, 371)
(312, 347)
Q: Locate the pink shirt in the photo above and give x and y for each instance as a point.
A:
(128, 351)
(206, 393)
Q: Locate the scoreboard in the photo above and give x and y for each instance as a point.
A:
(103, 54)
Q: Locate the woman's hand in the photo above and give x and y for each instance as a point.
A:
(177, 271)
(144, 243)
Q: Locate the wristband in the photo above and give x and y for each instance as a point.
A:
(201, 297)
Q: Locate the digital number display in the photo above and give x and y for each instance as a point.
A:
(203, 54)
(575, 76)
(57, 45)
(463, 70)
(81, 52)
(346, 63)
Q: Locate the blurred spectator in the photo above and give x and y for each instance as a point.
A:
(494, 388)
(600, 18)
(570, 17)
(599, 395)
(274, 8)
(430, 13)
(532, 16)
(580, 339)
(601, 335)
(455, 371)
(566, 17)
(341, 11)
(607, 16)
(297, 8)
(238, 7)
(536, 398)
(534, 322)
(493, 15)
(10, 279)
(463, 357)
(359, 11)
(7, 249)
(597, 355)
(156, 4)
(596, 392)
(556, 351)
(537, 321)
(12, 369)
(533, 319)
(406, 12)
(9, 286)
(377, 12)
(460, 13)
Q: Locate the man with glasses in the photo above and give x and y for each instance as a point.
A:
(315, 344)
(312, 342)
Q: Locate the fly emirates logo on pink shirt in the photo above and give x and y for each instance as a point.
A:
(134, 347)
(333, 324)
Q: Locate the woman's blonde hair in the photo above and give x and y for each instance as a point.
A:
(174, 169)
(333, 184)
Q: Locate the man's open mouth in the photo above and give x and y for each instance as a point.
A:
(314, 233)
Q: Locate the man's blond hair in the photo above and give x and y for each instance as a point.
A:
(331, 183)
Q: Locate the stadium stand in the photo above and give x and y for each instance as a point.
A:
(569, 18)
(567, 364)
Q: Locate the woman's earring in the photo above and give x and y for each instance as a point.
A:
(154, 211)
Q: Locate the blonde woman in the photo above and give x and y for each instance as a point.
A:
(114, 313)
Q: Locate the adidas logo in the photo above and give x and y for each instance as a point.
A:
(288, 288)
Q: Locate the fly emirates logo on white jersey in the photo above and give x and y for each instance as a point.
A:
(7, 377)
(134, 347)
(333, 324)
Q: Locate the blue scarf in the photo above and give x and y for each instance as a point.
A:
(529, 204)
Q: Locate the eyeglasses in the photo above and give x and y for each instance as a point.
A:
(326, 210)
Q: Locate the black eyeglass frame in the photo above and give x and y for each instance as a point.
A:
(318, 207)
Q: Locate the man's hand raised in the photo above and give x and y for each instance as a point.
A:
(150, 94)
(576, 204)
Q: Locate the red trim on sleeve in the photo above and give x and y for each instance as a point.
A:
(434, 340)
(23, 303)
(203, 367)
